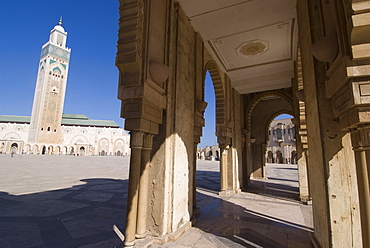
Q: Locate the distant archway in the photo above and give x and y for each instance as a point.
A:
(294, 157)
(279, 157)
(270, 157)
(35, 149)
(271, 104)
(82, 151)
(50, 150)
(27, 149)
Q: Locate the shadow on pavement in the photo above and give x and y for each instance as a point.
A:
(70, 217)
(84, 215)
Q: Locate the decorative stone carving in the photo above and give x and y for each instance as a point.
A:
(218, 83)
(252, 48)
(148, 141)
(136, 139)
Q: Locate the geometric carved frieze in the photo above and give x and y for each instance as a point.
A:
(130, 42)
(141, 108)
(342, 100)
(352, 104)
(141, 124)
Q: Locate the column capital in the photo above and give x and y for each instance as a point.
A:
(148, 141)
(361, 138)
(136, 139)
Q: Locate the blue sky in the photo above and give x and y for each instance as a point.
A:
(209, 136)
(92, 27)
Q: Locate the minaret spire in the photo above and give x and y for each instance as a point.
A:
(60, 21)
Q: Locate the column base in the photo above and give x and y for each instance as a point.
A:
(140, 236)
(129, 244)
(226, 192)
(148, 241)
(306, 200)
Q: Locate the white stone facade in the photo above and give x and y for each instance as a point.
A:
(77, 140)
(281, 147)
(209, 153)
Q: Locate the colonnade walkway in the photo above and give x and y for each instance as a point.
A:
(67, 201)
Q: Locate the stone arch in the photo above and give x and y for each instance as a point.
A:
(82, 151)
(12, 135)
(273, 118)
(265, 95)
(279, 157)
(294, 157)
(219, 88)
(35, 149)
(269, 157)
(58, 150)
(79, 139)
(118, 147)
(261, 110)
(27, 149)
(43, 149)
(103, 147)
(50, 150)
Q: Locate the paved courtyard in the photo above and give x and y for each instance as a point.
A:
(66, 201)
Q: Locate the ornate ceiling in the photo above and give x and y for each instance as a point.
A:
(253, 41)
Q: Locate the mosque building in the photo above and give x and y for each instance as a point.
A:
(281, 146)
(49, 130)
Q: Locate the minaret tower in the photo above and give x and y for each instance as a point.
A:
(48, 101)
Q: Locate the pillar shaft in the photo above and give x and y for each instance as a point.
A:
(136, 142)
(361, 144)
(141, 229)
(223, 169)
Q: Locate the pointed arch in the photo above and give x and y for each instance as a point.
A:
(219, 88)
(263, 96)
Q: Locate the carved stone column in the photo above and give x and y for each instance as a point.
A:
(136, 143)
(141, 229)
(223, 168)
(144, 69)
(361, 146)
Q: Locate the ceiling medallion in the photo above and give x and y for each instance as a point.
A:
(252, 48)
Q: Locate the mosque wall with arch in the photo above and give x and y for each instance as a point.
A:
(77, 141)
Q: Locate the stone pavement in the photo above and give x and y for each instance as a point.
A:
(66, 201)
